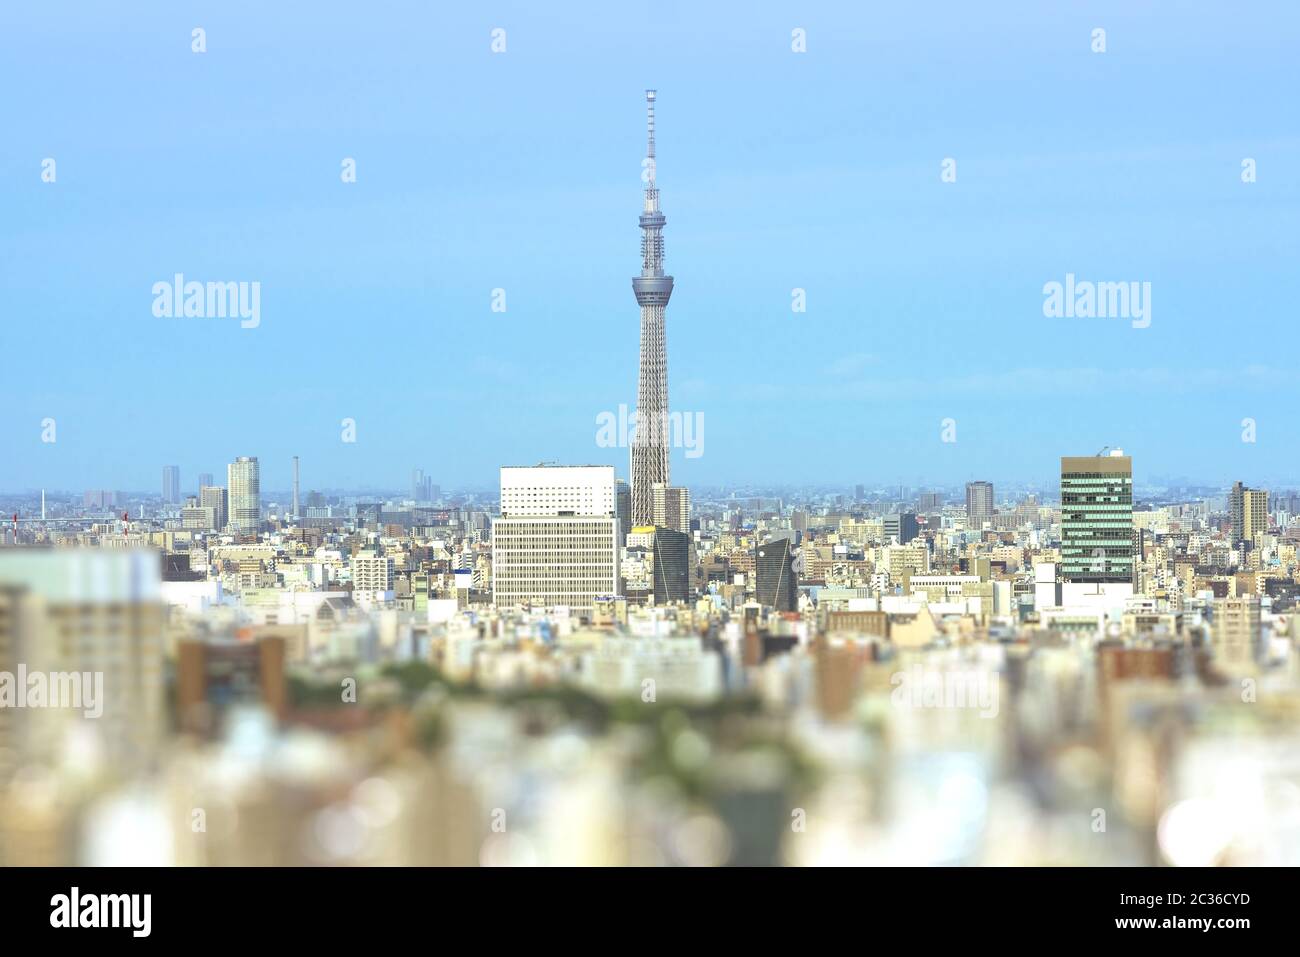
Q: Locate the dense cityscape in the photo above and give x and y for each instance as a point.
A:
(612, 660)
(756, 676)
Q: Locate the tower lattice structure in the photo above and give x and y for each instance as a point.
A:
(653, 289)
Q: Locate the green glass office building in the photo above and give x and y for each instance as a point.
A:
(1097, 518)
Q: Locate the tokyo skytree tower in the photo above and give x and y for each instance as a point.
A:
(652, 288)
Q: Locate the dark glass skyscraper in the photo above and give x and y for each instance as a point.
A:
(623, 508)
(1097, 518)
(672, 568)
(901, 527)
(774, 576)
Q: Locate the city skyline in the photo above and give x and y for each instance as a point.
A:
(937, 507)
(874, 485)
(1144, 489)
(802, 184)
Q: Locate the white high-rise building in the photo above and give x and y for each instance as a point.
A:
(244, 491)
(372, 573)
(556, 489)
(556, 541)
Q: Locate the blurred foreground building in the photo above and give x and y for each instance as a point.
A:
(96, 614)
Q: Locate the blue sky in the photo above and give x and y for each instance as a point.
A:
(521, 171)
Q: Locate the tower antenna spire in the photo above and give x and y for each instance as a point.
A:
(650, 126)
(652, 287)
